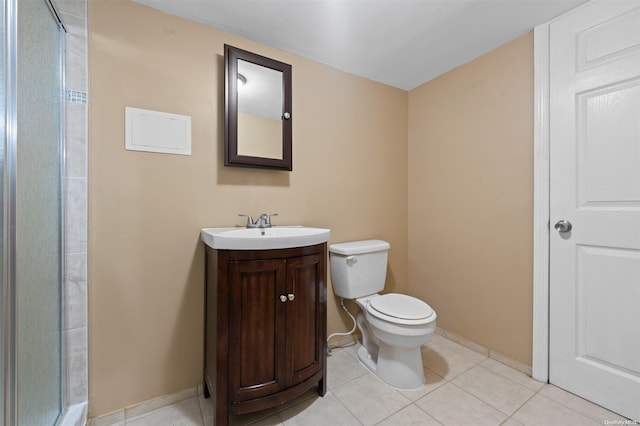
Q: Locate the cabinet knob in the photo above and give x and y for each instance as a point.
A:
(283, 298)
(291, 296)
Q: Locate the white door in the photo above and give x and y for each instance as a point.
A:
(595, 185)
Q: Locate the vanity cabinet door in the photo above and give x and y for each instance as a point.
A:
(257, 324)
(265, 331)
(305, 327)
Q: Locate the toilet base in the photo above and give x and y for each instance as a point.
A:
(400, 368)
(366, 359)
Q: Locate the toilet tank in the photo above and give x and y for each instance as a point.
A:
(358, 268)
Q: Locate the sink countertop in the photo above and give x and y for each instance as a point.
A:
(276, 237)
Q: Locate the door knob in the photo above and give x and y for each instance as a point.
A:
(562, 226)
(283, 298)
(291, 296)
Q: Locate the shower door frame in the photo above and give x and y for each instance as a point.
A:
(9, 343)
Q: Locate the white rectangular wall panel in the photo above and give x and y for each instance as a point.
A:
(155, 131)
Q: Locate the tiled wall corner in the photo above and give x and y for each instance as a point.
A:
(74, 17)
(77, 383)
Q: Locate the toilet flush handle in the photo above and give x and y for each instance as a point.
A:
(351, 260)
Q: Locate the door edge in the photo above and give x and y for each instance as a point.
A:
(540, 355)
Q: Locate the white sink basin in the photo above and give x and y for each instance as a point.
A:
(277, 237)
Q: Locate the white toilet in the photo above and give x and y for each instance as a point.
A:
(393, 325)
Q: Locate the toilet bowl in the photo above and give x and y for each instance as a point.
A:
(392, 351)
(393, 325)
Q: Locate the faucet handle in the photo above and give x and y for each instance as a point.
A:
(268, 221)
(249, 219)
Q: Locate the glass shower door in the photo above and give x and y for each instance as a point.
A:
(2, 169)
(38, 248)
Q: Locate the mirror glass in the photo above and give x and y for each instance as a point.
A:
(257, 111)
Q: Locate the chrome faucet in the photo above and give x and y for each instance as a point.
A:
(264, 221)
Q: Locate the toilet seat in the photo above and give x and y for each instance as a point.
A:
(400, 309)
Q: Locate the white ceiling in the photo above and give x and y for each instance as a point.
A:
(402, 43)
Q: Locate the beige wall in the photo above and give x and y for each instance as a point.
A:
(459, 224)
(471, 198)
(145, 210)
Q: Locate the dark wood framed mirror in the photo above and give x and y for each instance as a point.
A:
(258, 117)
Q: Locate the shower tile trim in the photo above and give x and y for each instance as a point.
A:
(76, 97)
(74, 15)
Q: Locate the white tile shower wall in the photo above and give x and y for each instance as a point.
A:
(74, 16)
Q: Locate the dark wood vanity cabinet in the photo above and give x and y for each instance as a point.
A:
(265, 337)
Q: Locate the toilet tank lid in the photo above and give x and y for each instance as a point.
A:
(359, 247)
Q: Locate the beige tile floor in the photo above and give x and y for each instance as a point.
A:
(463, 388)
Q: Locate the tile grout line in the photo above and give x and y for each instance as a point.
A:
(381, 381)
(347, 408)
(521, 405)
(511, 380)
(573, 409)
(481, 400)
